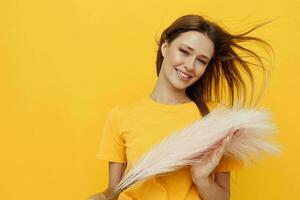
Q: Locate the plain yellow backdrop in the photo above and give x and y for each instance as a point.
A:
(64, 64)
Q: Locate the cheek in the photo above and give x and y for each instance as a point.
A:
(200, 71)
(174, 58)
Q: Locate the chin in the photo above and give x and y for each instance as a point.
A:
(179, 85)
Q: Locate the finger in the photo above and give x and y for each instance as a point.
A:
(216, 153)
(240, 131)
(222, 148)
(232, 132)
(236, 131)
(226, 141)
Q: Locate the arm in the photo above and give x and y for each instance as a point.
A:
(216, 189)
(116, 171)
(213, 185)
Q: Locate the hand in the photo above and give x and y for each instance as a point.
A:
(202, 170)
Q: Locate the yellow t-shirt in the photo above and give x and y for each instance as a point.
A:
(132, 129)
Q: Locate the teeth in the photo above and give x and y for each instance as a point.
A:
(182, 75)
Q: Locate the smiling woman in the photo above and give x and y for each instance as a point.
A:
(194, 57)
(186, 58)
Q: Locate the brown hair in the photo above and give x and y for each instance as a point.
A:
(224, 66)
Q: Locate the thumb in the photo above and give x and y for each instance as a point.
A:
(222, 148)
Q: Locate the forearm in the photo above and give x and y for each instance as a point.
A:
(209, 190)
(108, 193)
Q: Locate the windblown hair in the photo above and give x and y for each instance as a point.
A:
(223, 72)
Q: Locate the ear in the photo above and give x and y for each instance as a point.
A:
(164, 48)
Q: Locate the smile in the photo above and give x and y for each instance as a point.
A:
(183, 76)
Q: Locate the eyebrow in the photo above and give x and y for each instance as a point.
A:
(190, 48)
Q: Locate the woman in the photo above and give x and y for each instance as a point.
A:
(193, 58)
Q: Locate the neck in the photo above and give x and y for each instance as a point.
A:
(167, 94)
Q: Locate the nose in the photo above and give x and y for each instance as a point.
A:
(189, 65)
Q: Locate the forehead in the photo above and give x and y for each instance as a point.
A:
(196, 40)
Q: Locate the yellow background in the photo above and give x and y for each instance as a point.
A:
(64, 64)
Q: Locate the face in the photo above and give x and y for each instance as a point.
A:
(186, 58)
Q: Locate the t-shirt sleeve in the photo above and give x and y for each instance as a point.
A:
(111, 146)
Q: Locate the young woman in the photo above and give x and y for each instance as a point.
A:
(196, 60)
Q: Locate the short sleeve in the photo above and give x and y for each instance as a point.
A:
(228, 164)
(111, 146)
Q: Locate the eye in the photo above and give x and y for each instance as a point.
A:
(203, 62)
(184, 51)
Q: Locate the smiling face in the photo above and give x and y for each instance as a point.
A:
(186, 58)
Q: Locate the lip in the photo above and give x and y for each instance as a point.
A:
(180, 77)
(190, 76)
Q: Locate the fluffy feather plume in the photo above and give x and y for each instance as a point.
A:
(186, 146)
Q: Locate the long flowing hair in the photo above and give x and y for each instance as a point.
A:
(223, 75)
